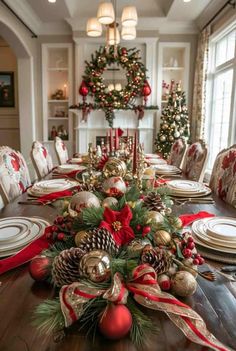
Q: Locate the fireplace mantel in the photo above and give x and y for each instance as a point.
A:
(96, 124)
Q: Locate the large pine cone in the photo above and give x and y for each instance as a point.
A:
(100, 239)
(65, 268)
(153, 202)
(157, 259)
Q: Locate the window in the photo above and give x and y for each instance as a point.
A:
(220, 96)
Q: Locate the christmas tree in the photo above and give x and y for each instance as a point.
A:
(175, 123)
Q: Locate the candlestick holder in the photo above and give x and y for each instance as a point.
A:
(140, 167)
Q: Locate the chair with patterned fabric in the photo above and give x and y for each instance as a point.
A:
(177, 153)
(195, 161)
(41, 159)
(14, 174)
(223, 176)
(61, 151)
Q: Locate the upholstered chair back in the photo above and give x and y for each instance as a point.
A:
(61, 151)
(177, 153)
(41, 159)
(195, 161)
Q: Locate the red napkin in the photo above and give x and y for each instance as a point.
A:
(190, 218)
(54, 196)
(159, 182)
(26, 254)
(71, 174)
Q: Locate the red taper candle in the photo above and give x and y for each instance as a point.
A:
(135, 154)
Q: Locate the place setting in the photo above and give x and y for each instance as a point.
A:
(167, 170)
(216, 238)
(68, 170)
(18, 232)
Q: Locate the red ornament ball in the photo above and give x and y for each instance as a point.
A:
(146, 91)
(40, 268)
(115, 322)
(146, 230)
(83, 89)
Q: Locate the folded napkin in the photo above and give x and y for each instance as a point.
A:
(71, 174)
(160, 181)
(190, 218)
(26, 254)
(56, 195)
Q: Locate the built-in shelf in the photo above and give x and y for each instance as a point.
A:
(58, 118)
(173, 68)
(57, 69)
(58, 100)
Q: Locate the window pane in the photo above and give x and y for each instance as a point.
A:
(219, 126)
(225, 48)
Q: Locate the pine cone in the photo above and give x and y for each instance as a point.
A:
(153, 202)
(65, 266)
(157, 259)
(100, 239)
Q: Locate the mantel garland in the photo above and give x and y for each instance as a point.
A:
(137, 85)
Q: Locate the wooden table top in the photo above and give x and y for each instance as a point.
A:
(19, 294)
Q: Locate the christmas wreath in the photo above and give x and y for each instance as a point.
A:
(94, 83)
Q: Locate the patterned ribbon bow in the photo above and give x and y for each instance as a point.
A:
(146, 292)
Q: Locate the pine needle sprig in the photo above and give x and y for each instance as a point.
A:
(48, 317)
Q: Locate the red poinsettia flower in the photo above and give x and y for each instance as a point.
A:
(117, 223)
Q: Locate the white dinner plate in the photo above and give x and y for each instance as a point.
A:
(76, 160)
(64, 169)
(152, 156)
(156, 161)
(223, 228)
(49, 186)
(13, 229)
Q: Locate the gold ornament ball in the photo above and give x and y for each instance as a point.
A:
(82, 234)
(189, 267)
(82, 200)
(114, 186)
(114, 167)
(162, 237)
(96, 266)
(183, 284)
(136, 246)
(109, 201)
(154, 217)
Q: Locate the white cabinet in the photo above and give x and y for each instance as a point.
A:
(57, 93)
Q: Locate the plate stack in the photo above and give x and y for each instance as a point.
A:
(46, 187)
(65, 169)
(216, 238)
(155, 161)
(187, 188)
(75, 160)
(18, 232)
(167, 170)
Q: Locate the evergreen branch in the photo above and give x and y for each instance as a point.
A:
(48, 316)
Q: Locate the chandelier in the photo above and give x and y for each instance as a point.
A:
(106, 15)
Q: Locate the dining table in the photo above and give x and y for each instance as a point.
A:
(214, 301)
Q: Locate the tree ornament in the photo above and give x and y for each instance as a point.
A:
(163, 138)
(177, 134)
(114, 186)
(183, 284)
(114, 167)
(40, 267)
(136, 246)
(80, 236)
(165, 126)
(156, 258)
(82, 200)
(177, 118)
(115, 322)
(109, 201)
(154, 217)
(153, 202)
(146, 91)
(162, 237)
(83, 89)
(164, 282)
(65, 268)
(171, 138)
(101, 239)
(146, 230)
(96, 266)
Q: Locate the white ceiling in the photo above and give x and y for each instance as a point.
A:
(166, 16)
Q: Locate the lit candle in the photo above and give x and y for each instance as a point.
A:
(116, 139)
(65, 91)
(135, 154)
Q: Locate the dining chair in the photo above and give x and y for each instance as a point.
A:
(223, 176)
(14, 174)
(177, 153)
(41, 159)
(195, 161)
(61, 151)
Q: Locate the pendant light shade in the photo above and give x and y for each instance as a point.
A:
(94, 28)
(128, 33)
(106, 13)
(113, 37)
(129, 16)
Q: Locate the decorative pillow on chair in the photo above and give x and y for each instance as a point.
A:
(14, 174)
(42, 160)
(61, 151)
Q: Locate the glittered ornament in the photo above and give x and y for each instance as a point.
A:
(136, 246)
(109, 201)
(183, 284)
(114, 167)
(171, 138)
(80, 236)
(115, 322)
(154, 217)
(162, 237)
(114, 186)
(96, 266)
(189, 266)
(164, 126)
(82, 200)
(164, 282)
(40, 268)
(163, 138)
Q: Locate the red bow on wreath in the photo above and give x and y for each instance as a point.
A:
(117, 223)
(146, 292)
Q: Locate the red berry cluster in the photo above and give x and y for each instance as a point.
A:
(61, 228)
(187, 246)
(144, 230)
